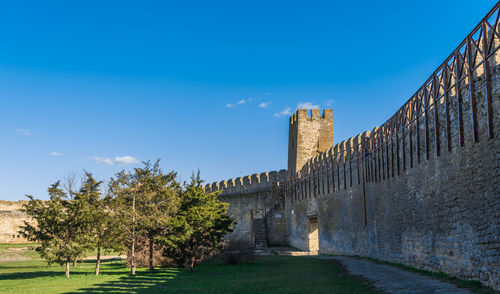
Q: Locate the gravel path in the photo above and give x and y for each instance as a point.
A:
(394, 280)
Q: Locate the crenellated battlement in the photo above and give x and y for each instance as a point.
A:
(248, 184)
(345, 151)
(312, 114)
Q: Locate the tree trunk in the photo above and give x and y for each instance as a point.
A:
(191, 264)
(132, 257)
(98, 261)
(67, 268)
(74, 262)
(151, 267)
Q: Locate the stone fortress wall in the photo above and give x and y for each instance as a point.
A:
(423, 189)
(10, 219)
(257, 207)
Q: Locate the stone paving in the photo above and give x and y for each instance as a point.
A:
(394, 280)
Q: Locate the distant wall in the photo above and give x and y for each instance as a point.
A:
(252, 197)
(10, 219)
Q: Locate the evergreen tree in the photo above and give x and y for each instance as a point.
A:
(58, 227)
(100, 228)
(199, 226)
(158, 202)
(145, 201)
(123, 194)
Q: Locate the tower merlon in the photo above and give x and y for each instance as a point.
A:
(255, 179)
(264, 177)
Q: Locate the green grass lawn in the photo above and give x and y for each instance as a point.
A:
(267, 274)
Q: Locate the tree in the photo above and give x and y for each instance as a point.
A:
(146, 200)
(123, 195)
(158, 202)
(199, 226)
(69, 185)
(58, 227)
(100, 228)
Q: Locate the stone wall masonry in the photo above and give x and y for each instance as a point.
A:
(334, 169)
(429, 189)
(11, 218)
(251, 198)
(309, 135)
(248, 184)
(246, 208)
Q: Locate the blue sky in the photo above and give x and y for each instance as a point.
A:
(102, 85)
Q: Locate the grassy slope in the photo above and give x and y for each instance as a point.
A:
(270, 274)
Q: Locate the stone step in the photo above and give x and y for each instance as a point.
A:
(259, 226)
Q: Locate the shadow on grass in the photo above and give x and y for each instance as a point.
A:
(270, 274)
(112, 269)
(140, 283)
(44, 274)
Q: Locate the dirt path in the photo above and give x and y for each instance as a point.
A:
(105, 257)
(394, 280)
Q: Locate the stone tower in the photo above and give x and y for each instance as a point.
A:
(308, 135)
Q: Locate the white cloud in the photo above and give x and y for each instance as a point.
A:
(264, 104)
(105, 160)
(239, 102)
(24, 132)
(121, 160)
(307, 105)
(56, 153)
(302, 105)
(126, 159)
(286, 111)
(329, 102)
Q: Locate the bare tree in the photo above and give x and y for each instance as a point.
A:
(69, 184)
